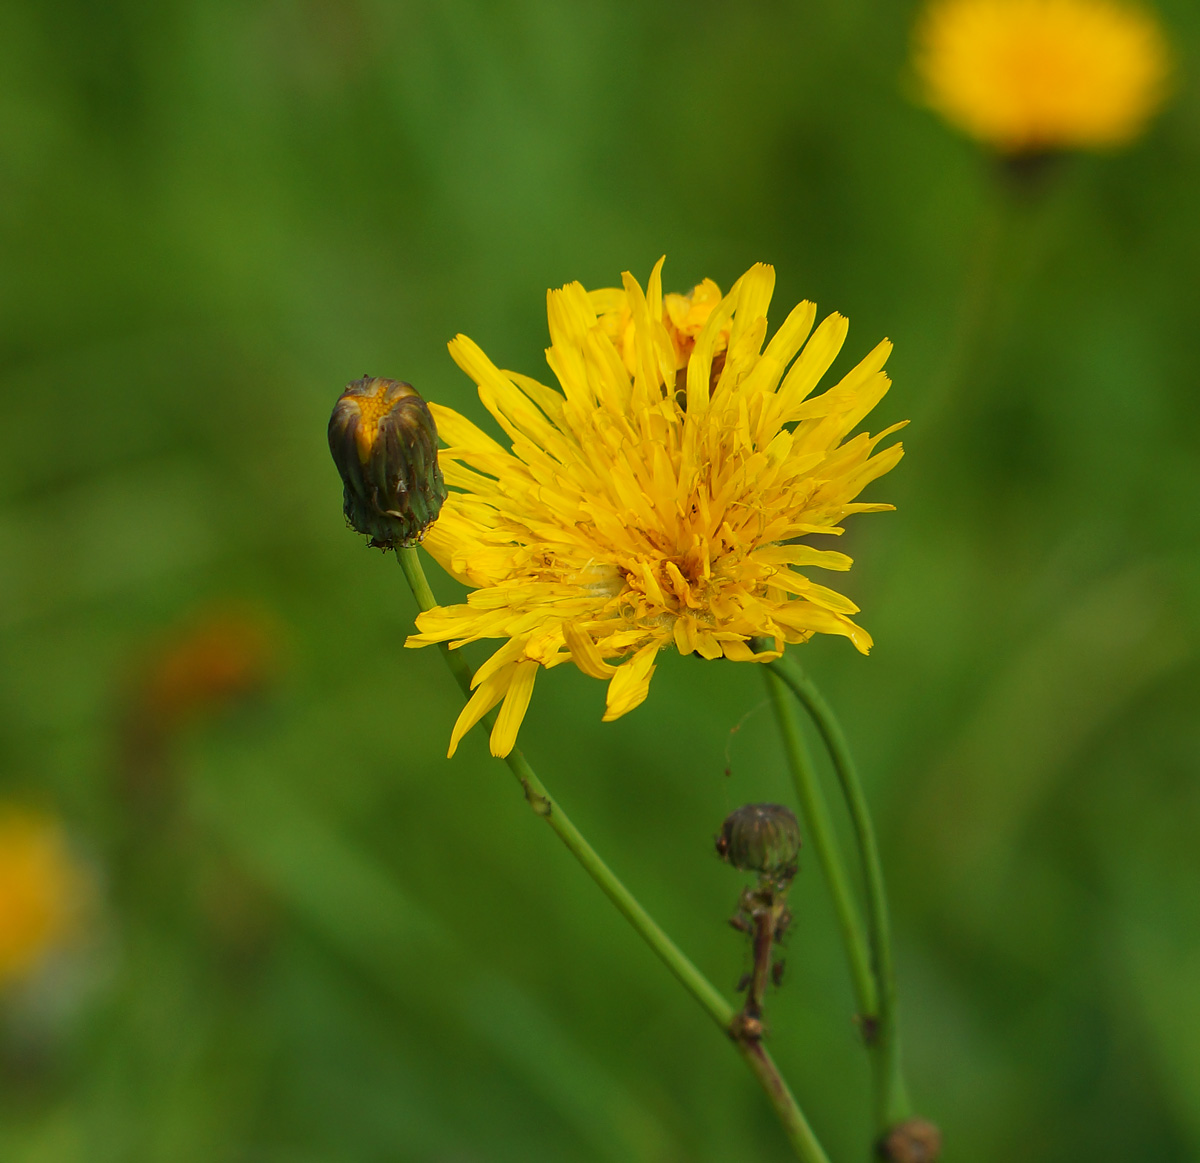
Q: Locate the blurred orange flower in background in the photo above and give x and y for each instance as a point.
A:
(210, 661)
(224, 655)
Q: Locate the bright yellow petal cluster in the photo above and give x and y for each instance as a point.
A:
(1031, 76)
(659, 498)
(40, 891)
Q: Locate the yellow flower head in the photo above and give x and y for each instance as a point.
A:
(1029, 76)
(40, 891)
(659, 498)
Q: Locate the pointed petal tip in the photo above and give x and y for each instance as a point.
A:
(512, 712)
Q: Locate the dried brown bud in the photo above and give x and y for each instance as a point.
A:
(760, 838)
(912, 1141)
(384, 443)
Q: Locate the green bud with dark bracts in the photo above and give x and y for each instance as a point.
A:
(385, 445)
(761, 838)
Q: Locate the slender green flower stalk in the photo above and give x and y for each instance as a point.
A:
(824, 840)
(891, 1099)
(975, 309)
(796, 1126)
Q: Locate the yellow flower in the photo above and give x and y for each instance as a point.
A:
(1030, 76)
(40, 891)
(659, 498)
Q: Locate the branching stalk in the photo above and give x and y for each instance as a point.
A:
(799, 1133)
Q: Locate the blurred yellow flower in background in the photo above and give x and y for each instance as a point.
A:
(41, 891)
(659, 497)
(1032, 76)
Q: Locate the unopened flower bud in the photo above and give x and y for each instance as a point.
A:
(384, 443)
(760, 838)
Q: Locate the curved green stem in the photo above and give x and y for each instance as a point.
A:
(825, 843)
(796, 1126)
(891, 1104)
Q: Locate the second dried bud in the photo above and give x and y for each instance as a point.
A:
(761, 838)
(384, 443)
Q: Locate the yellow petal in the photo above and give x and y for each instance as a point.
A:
(738, 650)
(801, 615)
(516, 703)
(584, 652)
(792, 333)
(753, 290)
(458, 431)
(700, 364)
(607, 300)
(685, 635)
(830, 599)
(783, 346)
(813, 362)
(509, 653)
(654, 295)
(803, 555)
(486, 696)
(630, 685)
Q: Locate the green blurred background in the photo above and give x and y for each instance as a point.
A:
(315, 939)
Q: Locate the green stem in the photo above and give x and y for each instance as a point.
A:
(1017, 223)
(825, 843)
(796, 1126)
(892, 1104)
(974, 300)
